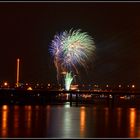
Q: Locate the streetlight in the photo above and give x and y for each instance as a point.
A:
(120, 86)
(5, 83)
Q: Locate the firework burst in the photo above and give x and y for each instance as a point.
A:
(71, 48)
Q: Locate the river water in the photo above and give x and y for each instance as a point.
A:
(65, 121)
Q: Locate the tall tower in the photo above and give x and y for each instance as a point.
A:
(17, 80)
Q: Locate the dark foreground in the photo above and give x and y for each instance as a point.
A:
(63, 121)
(44, 97)
(39, 114)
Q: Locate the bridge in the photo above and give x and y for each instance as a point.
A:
(42, 96)
(117, 92)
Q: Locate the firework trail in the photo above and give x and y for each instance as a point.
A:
(68, 80)
(70, 49)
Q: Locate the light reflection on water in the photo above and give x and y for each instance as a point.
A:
(4, 121)
(119, 115)
(16, 119)
(132, 121)
(106, 116)
(63, 121)
(28, 118)
(82, 121)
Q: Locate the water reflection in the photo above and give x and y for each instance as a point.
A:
(119, 115)
(69, 122)
(4, 121)
(28, 120)
(16, 117)
(82, 121)
(138, 124)
(106, 116)
(67, 105)
(94, 114)
(132, 121)
(36, 113)
(16, 120)
(48, 116)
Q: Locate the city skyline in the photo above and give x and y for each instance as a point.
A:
(28, 28)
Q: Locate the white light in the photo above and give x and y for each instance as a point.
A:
(120, 85)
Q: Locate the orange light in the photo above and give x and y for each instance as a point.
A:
(64, 72)
(4, 107)
(74, 87)
(132, 122)
(29, 88)
(82, 120)
(17, 80)
(122, 97)
(4, 121)
(5, 83)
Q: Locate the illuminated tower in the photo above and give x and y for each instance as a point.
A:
(17, 80)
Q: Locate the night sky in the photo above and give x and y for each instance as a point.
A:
(26, 30)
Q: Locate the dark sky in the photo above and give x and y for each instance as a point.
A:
(26, 29)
